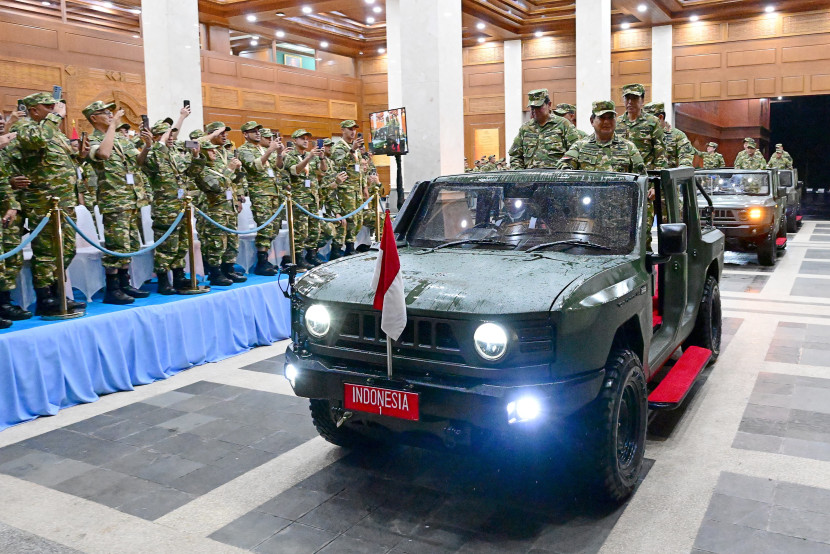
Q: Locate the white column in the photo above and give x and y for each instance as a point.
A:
(593, 57)
(172, 68)
(661, 68)
(425, 76)
(513, 97)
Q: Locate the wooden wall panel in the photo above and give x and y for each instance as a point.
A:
(343, 110)
(28, 35)
(84, 44)
(257, 72)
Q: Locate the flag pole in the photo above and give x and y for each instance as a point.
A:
(389, 356)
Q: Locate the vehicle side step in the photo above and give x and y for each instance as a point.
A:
(674, 387)
(780, 241)
(798, 218)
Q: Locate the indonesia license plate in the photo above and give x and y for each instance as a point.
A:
(388, 402)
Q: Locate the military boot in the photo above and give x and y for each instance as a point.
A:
(217, 279)
(349, 249)
(10, 311)
(229, 271)
(180, 282)
(311, 257)
(164, 287)
(5, 323)
(285, 262)
(47, 304)
(263, 266)
(71, 305)
(301, 264)
(336, 252)
(114, 294)
(127, 288)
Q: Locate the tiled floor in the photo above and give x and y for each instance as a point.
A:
(800, 343)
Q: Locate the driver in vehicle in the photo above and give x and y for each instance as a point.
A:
(518, 219)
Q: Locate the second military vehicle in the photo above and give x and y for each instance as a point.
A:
(789, 183)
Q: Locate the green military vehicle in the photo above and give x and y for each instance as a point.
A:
(789, 183)
(534, 312)
(749, 208)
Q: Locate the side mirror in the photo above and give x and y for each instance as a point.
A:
(672, 239)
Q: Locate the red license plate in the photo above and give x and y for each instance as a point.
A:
(374, 400)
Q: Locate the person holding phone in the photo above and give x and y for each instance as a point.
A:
(330, 206)
(346, 157)
(117, 162)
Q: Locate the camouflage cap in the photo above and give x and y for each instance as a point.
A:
(713, 144)
(779, 146)
(207, 145)
(228, 145)
(602, 107)
(750, 142)
(655, 108)
(197, 133)
(160, 127)
(96, 106)
(327, 142)
(266, 133)
(124, 126)
(634, 88)
(348, 124)
(44, 98)
(562, 109)
(491, 156)
(501, 160)
(250, 126)
(300, 133)
(538, 97)
(216, 125)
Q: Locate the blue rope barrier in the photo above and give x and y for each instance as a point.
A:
(127, 254)
(236, 232)
(24, 243)
(334, 219)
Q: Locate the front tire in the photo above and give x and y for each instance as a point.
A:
(792, 222)
(707, 329)
(767, 250)
(322, 417)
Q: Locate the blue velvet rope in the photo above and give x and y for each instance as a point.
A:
(236, 232)
(17, 249)
(127, 254)
(334, 219)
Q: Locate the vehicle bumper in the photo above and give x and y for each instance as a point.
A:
(745, 232)
(464, 409)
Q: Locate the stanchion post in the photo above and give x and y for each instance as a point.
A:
(289, 207)
(191, 249)
(60, 270)
(378, 222)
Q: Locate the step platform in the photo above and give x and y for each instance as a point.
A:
(674, 387)
(781, 242)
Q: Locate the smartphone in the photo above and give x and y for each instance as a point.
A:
(21, 107)
(276, 134)
(145, 121)
(187, 103)
(57, 90)
(360, 135)
(83, 137)
(319, 143)
(235, 153)
(191, 144)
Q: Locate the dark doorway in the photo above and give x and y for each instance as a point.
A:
(800, 124)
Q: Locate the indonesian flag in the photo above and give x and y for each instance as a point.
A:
(388, 284)
(74, 132)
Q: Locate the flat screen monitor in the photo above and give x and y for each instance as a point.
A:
(388, 130)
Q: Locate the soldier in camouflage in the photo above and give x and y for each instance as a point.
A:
(330, 230)
(749, 157)
(712, 159)
(165, 168)
(490, 165)
(679, 149)
(568, 111)
(780, 159)
(51, 166)
(603, 150)
(643, 129)
(117, 162)
(542, 140)
(306, 166)
(346, 157)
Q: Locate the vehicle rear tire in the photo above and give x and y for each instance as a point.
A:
(767, 250)
(324, 422)
(782, 232)
(707, 329)
(615, 427)
(792, 222)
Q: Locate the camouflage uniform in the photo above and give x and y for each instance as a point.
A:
(647, 135)
(238, 187)
(10, 236)
(785, 161)
(562, 109)
(679, 150)
(350, 192)
(369, 214)
(50, 163)
(262, 187)
(330, 204)
(538, 146)
(711, 161)
(744, 161)
(216, 181)
(304, 191)
(165, 169)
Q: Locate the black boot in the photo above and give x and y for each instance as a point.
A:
(180, 282)
(216, 277)
(10, 311)
(164, 283)
(311, 257)
(71, 305)
(47, 304)
(286, 260)
(301, 264)
(5, 323)
(349, 249)
(336, 252)
(263, 266)
(114, 294)
(362, 248)
(229, 271)
(127, 288)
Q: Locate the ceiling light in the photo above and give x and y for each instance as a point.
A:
(694, 18)
(769, 9)
(370, 1)
(360, 53)
(480, 26)
(280, 34)
(324, 44)
(538, 34)
(280, 14)
(641, 8)
(107, 4)
(381, 50)
(370, 20)
(136, 36)
(135, 11)
(377, 9)
(780, 97)
(481, 39)
(626, 25)
(250, 17)
(307, 9)
(46, 3)
(319, 59)
(254, 42)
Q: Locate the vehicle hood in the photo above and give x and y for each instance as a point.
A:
(740, 201)
(459, 281)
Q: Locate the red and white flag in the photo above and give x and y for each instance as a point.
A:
(388, 284)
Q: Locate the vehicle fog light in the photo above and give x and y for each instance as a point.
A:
(317, 320)
(756, 213)
(491, 341)
(291, 373)
(525, 408)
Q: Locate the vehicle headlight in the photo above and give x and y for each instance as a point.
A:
(491, 341)
(291, 373)
(755, 213)
(317, 320)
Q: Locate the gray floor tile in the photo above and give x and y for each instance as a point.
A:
(18, 541)
(769, 413)
(811, 356)
(811, 399)
(154, 466)
(763, 427)
(296, 538)
(217, 428)
(92, 424)
(803, 524)
(335, 515)
(158, 415)
(809, 267)
(773, 388)
(14, 451)
(738, 511)
(225, 392)
(194, 403)
(801, 497)
(246, 435)
(147, 438)
(206, 479)
(42, 468)
(156, 504)
(107, 487)
(416, 546)
(131, 411)
(199, 387)
(279, 442)
(743, 486)
(164, 400)
(806, 449)
(250, 529)
(294, 503)
(349, 545)
(817, 254)
(193, 447)
(775, 543)
(813, 288)
(245, 458)
(265, 366)
(119, 430)
(814, 382)
(186, 423)
(761, 443)
(79, 447)
(719, 537)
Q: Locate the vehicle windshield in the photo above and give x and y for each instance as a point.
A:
(755, 184)
(785, 179)
(590, 218)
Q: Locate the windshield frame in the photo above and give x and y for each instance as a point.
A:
(768, 176)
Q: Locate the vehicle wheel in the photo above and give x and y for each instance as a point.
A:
(767, 250)
(799, 214)
(617, 427)
(782, 232)
(707, 330)
(792, 222)
(324, 422)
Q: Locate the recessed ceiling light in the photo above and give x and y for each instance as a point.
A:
(626, 25)
(307, 9)
(250, 17)
(641, 8)
(136, 11)
(324, 44)
(481, 39)
(370, 20)
(254, 42)
(769, 9)
(319, 59)
(360, 53)
(780, 97)
(280, 14)
(479, 26)
(538, 34)
(694, 18)
(370, 1)
(108, 4)
(136, 36)
(280, 34)
(377, 9)
(46, 3)
(381, 50)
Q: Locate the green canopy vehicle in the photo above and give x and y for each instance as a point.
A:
(534, 310)
(789, 183)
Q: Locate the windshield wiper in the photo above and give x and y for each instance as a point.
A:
(470, 241)
(569, 242)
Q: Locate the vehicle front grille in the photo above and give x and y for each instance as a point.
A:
(726, 216)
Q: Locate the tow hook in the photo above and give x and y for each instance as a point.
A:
(340, 416)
